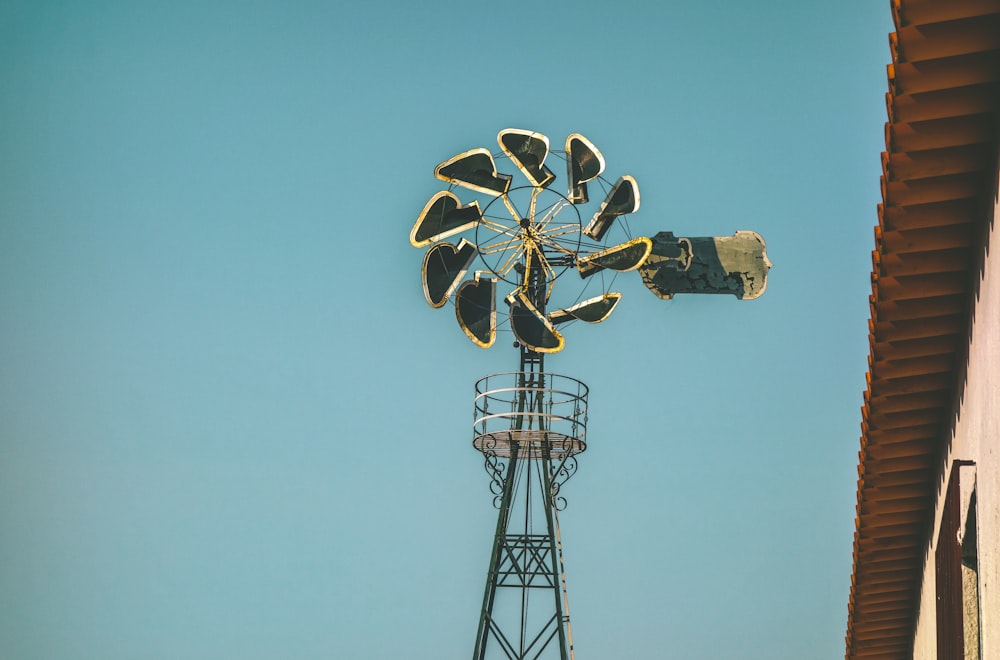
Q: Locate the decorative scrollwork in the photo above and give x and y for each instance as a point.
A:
(562, 473)
(567, 468)
(496, 469)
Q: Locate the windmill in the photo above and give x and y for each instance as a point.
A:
(554, 257)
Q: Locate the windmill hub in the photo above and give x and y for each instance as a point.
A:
(529, 236)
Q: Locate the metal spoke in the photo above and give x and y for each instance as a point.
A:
(511, 261)
(560, 230)
(499, 246)
(552, 212)
(559, 248)
(511, 208)
(500, 228)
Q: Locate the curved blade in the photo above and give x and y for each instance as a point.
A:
(623, 198)
(531, 328)
(627, 256)
(443, 216)
(443, 268)
(475, 170)
(476, 310)
(594, 310)
(583, 163)
(527, 150)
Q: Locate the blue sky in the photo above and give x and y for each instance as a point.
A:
(230, 426)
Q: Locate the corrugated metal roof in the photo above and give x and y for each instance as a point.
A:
(939, 171)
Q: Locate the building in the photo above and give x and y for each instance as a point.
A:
(926, 573)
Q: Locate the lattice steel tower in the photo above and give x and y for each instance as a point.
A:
(530, 424)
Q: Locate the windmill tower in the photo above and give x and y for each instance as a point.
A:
(530, 424)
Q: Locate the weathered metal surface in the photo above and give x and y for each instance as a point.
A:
(474, 169)
(475, 309)
(443, 216)
(531, 328)
(736, 265)
(583, 163)
(593, 310)
(625, 257)
(527, 150)
(444, 267)
(622, 200)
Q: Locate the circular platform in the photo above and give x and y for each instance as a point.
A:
(542, 415)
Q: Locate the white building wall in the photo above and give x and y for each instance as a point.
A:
(925, 642)
(976, 437)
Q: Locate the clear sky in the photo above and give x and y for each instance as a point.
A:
(230, 426)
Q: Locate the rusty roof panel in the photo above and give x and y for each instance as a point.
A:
(967, 130)
(876, 438)
(911, 367)
(946, 39)
(918, 329)
(928, 191)
(894, 462)
(925, 263)
(898, 506)
(903, 310)
(964, 159)
(944, 104)
(929, 238)
(908, 403)
(941, 214)
(944, 74)
(913, 287)
(925, 12)
(914, 385)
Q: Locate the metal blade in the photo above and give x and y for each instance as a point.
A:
(443, 216)
(476, 310)
(475, 170)
(531, 328)
(624, 257)
(443, 268)
(583, 163)
(527, 150)
(623, 198)
(593, 310)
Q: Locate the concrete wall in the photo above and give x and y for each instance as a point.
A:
(976, 437)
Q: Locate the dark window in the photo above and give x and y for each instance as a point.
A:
(957, 572)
